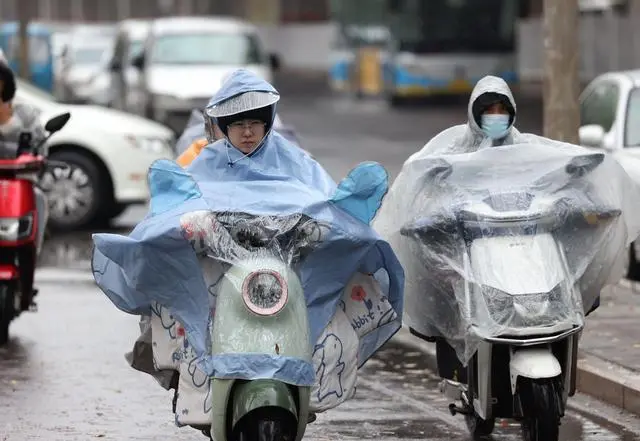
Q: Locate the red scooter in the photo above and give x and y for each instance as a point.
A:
(19, 227)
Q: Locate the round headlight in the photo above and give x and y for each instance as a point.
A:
(264, 292)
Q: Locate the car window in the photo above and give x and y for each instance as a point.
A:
(600, 106)
(207, 48)
(632, 120)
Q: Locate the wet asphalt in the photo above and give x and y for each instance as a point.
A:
(63, 375)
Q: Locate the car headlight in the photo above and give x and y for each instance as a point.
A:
(264, 292)
(16, 228)
(147, 144)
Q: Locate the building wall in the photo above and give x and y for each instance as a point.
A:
(270, 11)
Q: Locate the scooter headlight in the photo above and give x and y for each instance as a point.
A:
(264, 292)
(16, 228)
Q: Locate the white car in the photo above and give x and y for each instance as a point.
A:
(108, 152)
(610, 121)
(185, 58)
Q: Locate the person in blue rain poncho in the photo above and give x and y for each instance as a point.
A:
(252, 170)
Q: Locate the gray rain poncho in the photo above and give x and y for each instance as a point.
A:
(507, 240)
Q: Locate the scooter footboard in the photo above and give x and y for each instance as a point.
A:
(534, 363)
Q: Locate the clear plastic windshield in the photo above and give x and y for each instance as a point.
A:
(508, 241)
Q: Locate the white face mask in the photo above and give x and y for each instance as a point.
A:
(495, 126)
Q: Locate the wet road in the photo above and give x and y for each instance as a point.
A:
(63, 375)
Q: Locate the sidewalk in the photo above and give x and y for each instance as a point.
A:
(609, 361)
(609, 366)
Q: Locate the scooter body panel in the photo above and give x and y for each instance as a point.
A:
(241, 327)
(238, 330)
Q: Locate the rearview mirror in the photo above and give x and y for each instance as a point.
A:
(591, 135)
(56, 123)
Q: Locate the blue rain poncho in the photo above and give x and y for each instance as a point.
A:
(156, 262)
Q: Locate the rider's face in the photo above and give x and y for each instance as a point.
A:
(497, 109)
(245, 135)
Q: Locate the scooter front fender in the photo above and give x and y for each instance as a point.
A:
(256, 394)
(241, 404)
(534, 363)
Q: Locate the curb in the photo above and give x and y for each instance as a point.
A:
(605, 381)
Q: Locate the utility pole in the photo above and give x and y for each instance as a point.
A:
(561, 87)
(23, 39)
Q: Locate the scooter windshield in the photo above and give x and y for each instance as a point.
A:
(509, 241)
(232, 215)
(232, 236)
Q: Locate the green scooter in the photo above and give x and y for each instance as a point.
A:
(261, 309)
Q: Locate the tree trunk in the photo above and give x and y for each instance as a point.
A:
(561, 87)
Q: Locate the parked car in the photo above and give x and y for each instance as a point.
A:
(108, 153)
(84, 61)
(185, 59)
(610, 121)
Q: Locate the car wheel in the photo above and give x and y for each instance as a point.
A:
(74, 192)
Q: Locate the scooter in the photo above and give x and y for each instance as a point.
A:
(19, 225)
(260, 311)
(528, 371)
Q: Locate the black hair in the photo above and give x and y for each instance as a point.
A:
(488, 99)
(8, 83)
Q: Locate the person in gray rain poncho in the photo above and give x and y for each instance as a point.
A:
(492, 113)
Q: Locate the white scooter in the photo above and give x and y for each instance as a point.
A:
(522, 286)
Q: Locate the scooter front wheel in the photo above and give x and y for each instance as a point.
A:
(542, 409)
(268, 424)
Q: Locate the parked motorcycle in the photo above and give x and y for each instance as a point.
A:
(19, 223)
(509, 262)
